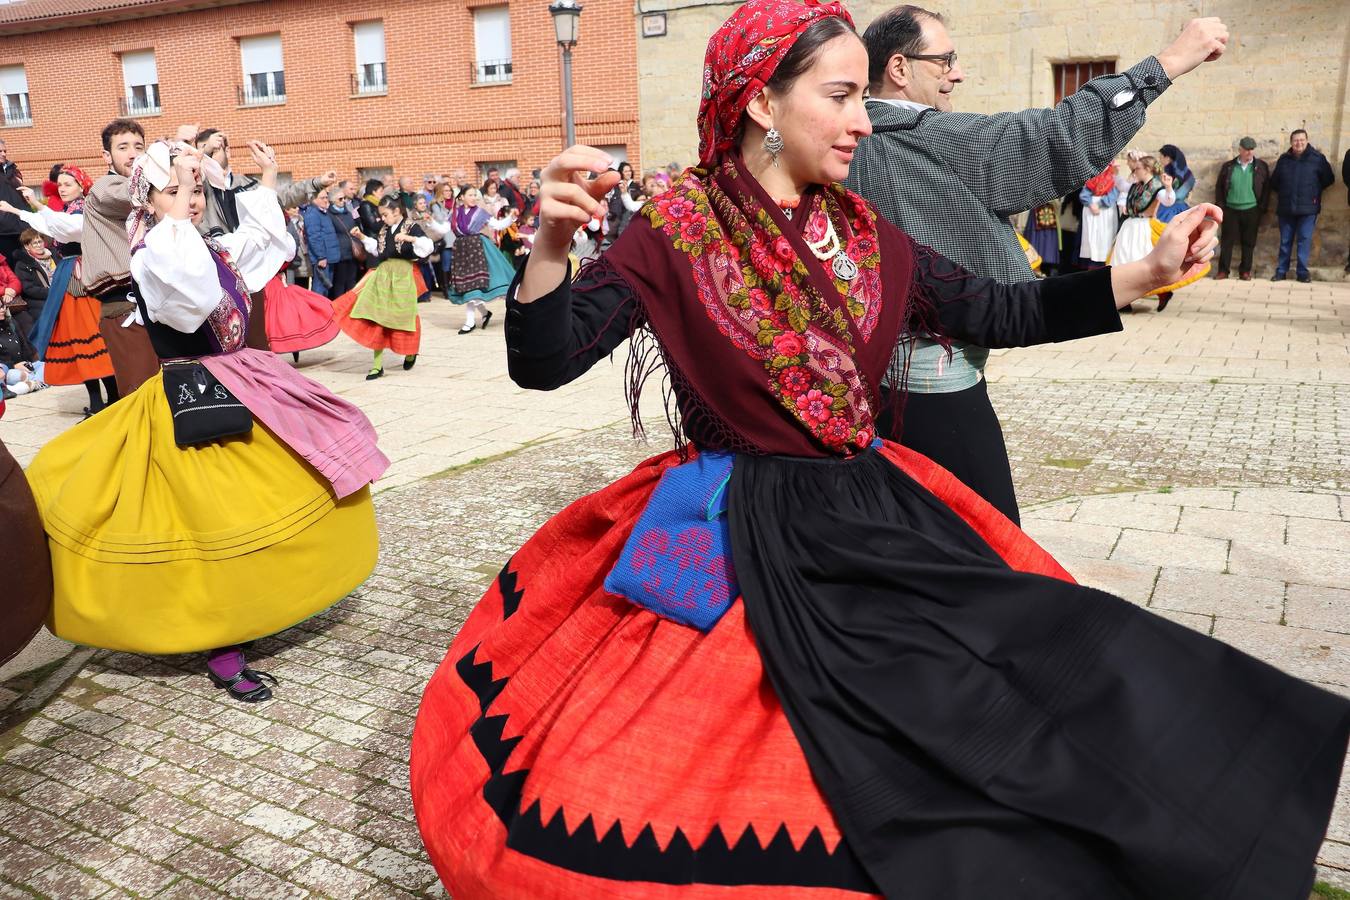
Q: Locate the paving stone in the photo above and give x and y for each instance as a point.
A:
(205, 865)
(404, 871)
(64, 880)
(277, 821)
(1311, 655)
(1320, 533)
(1254, 528)
(1124, 512)
(1229, 596)
(334, 879)
(1321, 608)
(1193, 621)
(1301, 565)
(252, 884)
(138, 875)
(1290, 503)
(270, 854)
(1195, 498)
(1171, 550)
(1074, 538)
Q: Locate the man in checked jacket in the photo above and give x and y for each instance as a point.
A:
(951, 180)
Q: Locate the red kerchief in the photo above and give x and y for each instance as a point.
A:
(742, 56)
(74, 171)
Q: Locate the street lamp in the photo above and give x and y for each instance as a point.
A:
(566, 21)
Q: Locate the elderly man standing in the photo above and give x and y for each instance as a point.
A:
(1242, 192)
(952, 179)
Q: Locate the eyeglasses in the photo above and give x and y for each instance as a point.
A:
(948, 60)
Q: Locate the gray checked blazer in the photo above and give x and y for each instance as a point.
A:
(951, 180)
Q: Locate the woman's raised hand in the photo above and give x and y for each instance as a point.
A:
(1187, 245)
(188, 165)
(568, 199)
(29, 196)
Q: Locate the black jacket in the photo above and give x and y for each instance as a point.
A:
(342, 224)
(1260, 182)
(369, 214)
(10, 179)
(34, 279)
(1300, 181)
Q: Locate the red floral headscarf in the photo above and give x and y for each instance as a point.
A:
(742, 56)
(83, 180)
(1101, 185)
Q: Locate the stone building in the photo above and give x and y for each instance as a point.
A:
(1286, 68)
(415, 86)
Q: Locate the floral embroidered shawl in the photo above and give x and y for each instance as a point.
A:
(760, 336)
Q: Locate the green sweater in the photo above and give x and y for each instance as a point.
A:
(1240, 194)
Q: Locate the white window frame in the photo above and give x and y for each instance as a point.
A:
(372, 74)
(492, 44)
(141, 73)
(262, 60)
(14, 105)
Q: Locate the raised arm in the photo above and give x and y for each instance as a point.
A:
(556, 329)
(991, 314)
(1017, 161)
(261, 244)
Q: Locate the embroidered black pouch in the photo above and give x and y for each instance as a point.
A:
(203, 408)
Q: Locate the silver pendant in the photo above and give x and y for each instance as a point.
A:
(844, 267)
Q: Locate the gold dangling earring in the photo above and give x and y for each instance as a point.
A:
(773, 144)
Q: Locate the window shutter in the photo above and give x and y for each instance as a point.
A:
(369, 42)
(261, 54)
(138, 68)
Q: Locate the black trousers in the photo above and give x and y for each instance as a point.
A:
(1239, 225)
(344, 278)
(960, 432)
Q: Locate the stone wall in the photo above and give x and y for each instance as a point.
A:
(1281, 72)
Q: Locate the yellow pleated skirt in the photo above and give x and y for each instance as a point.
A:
(158, 548)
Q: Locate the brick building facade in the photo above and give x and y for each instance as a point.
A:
(415, 86)
(1285, 68)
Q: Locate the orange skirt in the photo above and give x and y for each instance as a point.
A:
(372, 335)
(573, 744)
(76, 352)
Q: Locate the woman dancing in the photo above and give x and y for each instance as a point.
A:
(791, 661)
(227, 498)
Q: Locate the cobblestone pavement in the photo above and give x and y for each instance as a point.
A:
(1218, 500)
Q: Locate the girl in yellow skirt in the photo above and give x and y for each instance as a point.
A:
(67, 336)
(227, 498)
(381, 311)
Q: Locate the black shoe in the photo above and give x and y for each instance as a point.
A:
(1304, 279)
(1278, 276)
(1163, 300)
(409, 362)
(295, 356)
(377, 373)
(231, 685)
(467, 328)
(487, 317)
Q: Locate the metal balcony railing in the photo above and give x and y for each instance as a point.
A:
(251, 96)
(132, 108)
(491, 71)
(365, 84)
(17, 112)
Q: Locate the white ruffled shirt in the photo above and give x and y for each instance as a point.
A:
(63, 227)
(177, 276)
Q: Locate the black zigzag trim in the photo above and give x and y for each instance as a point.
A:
(73, 341)
(508, 581)
(747, 862)
(73, 357)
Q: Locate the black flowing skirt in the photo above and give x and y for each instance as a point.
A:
(981, 732)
